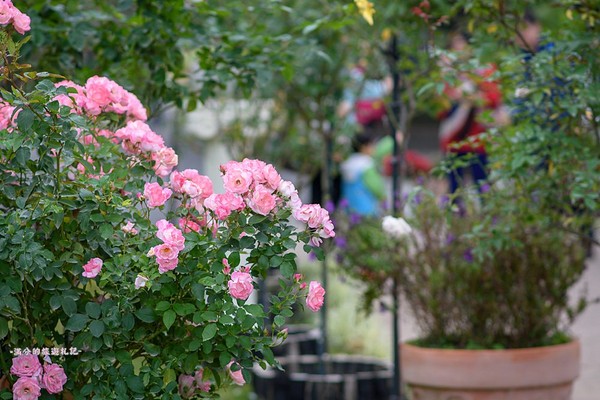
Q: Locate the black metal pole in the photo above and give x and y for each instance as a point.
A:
(396, 185)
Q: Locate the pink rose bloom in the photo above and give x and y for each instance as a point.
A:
(223, 204)
(54, 378)
(6, 12)
(169, 234)
(138, 137)
(271, 176)
(327, 231)
(236, 376)
(240, 285)
(165, 252)
(92, 268)
(26, 366)
(256, 168)
(156, 195)
(165, 160)
(26, 388)
(237, 180)
(135, 109)
(140, 281)
(313, 214)
(202, 385)
(187, 386)
(67, 99)
(262, 200)
(6, 115)
(129, 227)
(21, 22)
(188, 225)
(230, 164)
(316, 296)
(193, 184)
(166, 265)
(226, 266)
(99, 94)
(297, 277)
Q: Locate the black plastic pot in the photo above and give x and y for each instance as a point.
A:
(338, 377)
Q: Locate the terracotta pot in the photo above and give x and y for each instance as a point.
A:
(540, 373)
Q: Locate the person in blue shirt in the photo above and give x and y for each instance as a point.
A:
(363, 187)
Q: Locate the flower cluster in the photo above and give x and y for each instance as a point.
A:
(9, 14)
(167, 253)
(7, 119)
(33, 377)
(395, 228)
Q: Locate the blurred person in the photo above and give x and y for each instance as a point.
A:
(363, 187)
(461, 125)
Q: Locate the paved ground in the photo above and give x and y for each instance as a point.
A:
(587, 328)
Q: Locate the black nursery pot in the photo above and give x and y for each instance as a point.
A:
(338, 377)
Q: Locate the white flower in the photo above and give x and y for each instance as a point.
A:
(395, 227)
(140, 281)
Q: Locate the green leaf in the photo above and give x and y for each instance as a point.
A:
(287, 269)
(209, 332)
(106, 231)
(22, 156)
(135, 383)
(55, 302)
(69, 306)
(184, 309)
(97, 328)
(77, 322)
(128, 322)
(279, 320)
(145, 314)
(169, 318)
(163, 306)
(234, 259)
(25, 119)
(93, 310)
(3, 328)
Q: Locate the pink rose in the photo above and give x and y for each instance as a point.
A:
(223, 204)
(240, 285)
(165, 252)
(236, 376)
(237, 180)
(202, 385)
(54, 378)
(316, 296)
(166, 265)
(226, 266)
(98, 94)
(271, 176)
(137, 137)
(6, 115)
(92, 268)
(67, 99)
(312, 214)
(297, 277)
(140, 281)
(256, 168)
(21, 22)
(187, 386)
(156, 194)
(169, 234)
(135, 109)
(188, 225)
(26, 388)
(165, 160)
(6, 12)
(129, 228)
(262, 200)
(193, 184)
(26, 366)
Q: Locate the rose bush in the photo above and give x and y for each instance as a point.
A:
(150, 310)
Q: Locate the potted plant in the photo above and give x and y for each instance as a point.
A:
(489, 290)
(98, 298)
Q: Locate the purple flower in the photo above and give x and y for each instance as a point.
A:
(468, 256)
(449, 239)
(355, 219)
(484, 188)
(330, 206)
(444, 201)
(343, 203)
(341, 242)
(420, 180)
(312, 256)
